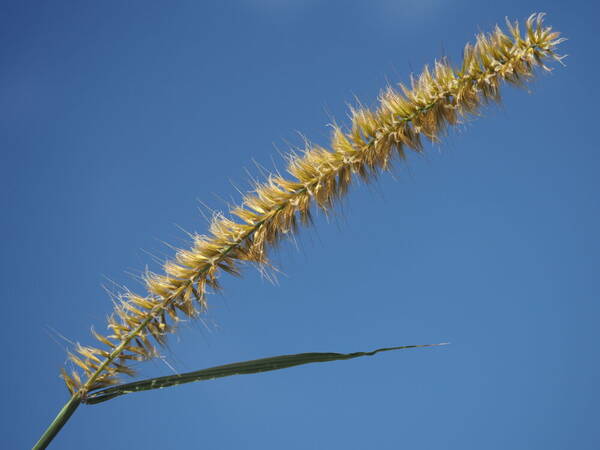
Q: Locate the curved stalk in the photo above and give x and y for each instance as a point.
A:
(436, 99)
(59, 421)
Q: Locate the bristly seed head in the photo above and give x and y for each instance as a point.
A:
(439, 97)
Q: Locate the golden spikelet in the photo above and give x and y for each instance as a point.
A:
(439, 97)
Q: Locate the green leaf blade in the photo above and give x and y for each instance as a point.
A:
(239, 368)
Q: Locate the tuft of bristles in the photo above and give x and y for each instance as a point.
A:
(439, 97)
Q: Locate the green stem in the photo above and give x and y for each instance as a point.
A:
(239, 368)
(59, 421)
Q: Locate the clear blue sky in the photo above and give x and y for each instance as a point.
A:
(117, 118)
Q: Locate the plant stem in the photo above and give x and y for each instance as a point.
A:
(59, 421)
(239, 368)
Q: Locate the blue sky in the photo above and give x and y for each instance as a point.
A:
(120, 120)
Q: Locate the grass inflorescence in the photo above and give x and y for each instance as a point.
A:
(440, 96)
